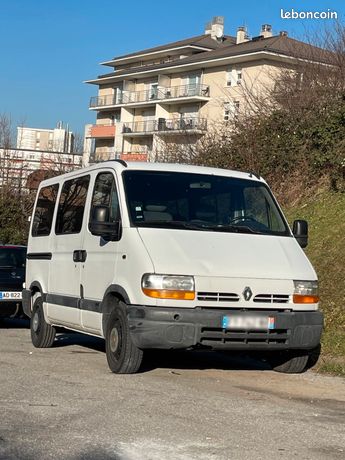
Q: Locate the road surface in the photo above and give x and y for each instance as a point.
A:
(63, 403)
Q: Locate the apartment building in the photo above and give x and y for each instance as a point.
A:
(18, 165)
(59, 139)
(174, 93)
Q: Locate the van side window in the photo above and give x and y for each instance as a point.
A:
(259, 205)
(105, 194)
(44, 211)
(71, 206)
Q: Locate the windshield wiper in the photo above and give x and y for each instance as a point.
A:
(205, 226)
(231, 228)
(171, 224)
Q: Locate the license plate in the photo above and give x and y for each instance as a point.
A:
(10, 295)
(248, 322)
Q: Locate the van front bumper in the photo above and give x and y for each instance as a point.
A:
(172, 328)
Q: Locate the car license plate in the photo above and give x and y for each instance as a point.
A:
(248, 322)
(5, 295)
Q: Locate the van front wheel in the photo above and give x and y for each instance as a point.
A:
(291, 362)
(122, 355)
(42, 333)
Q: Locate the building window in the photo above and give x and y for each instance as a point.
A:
(233, 77)
(153, 90)
(231, 110)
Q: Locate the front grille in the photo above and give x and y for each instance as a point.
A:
(210, 336)
(271, 298)
(217, 297)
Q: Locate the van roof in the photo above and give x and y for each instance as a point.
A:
(120, 165)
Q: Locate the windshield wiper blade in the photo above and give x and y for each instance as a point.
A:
(236, 229)
(171, 224)
(203, 226)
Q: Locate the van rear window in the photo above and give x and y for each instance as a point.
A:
(44, 211)
(71, 206)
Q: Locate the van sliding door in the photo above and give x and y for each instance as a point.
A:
(63, 297)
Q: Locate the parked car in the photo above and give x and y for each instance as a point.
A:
(12, 276)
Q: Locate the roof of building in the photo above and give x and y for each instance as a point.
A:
(204, 41)
(279, 45)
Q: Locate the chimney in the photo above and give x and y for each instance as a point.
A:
(215, 28)
(241, 35)
(283, 33)
(266, 30)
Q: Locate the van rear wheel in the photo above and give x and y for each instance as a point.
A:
(122, 355)
(42, 333)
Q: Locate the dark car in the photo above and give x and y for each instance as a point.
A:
(12, 276)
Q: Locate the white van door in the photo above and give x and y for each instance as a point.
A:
(99, 269)
(63, 297)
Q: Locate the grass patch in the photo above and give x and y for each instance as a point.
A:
(329, 366)
(325, 213)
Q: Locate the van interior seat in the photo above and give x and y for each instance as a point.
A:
(157, 212)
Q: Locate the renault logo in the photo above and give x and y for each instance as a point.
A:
(247, 293)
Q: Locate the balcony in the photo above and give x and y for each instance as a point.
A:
(186, 91)
(104, 154)
(100, 102)
(164, 125)
(135, 156)
(151, 96)
(102, 131)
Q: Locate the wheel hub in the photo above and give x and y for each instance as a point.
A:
(114, 340)
(35, 322)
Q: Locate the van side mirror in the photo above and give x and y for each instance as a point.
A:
(300, 232)
(100, 225)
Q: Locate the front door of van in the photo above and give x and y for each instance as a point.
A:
(99, 269)
(63, 297)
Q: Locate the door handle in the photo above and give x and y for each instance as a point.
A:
(79, 255)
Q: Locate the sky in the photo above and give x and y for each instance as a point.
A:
(49, 48)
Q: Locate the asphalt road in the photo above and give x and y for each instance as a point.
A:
(63, 403)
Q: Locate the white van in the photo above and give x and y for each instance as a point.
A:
(170, 257)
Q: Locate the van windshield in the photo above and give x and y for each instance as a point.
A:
(201, 202)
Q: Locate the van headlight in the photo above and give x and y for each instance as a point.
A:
(177, 287)
(306, 291)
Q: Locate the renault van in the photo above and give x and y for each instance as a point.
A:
(163, 256)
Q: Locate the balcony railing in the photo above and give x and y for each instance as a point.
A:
(105, 153)
(186, 91)
(99, 101)
(166, 125)
(153, 94)
(141, 149)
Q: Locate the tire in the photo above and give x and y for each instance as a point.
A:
(314, 355)
(290, 362)
(122, 355)
(42, 334)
